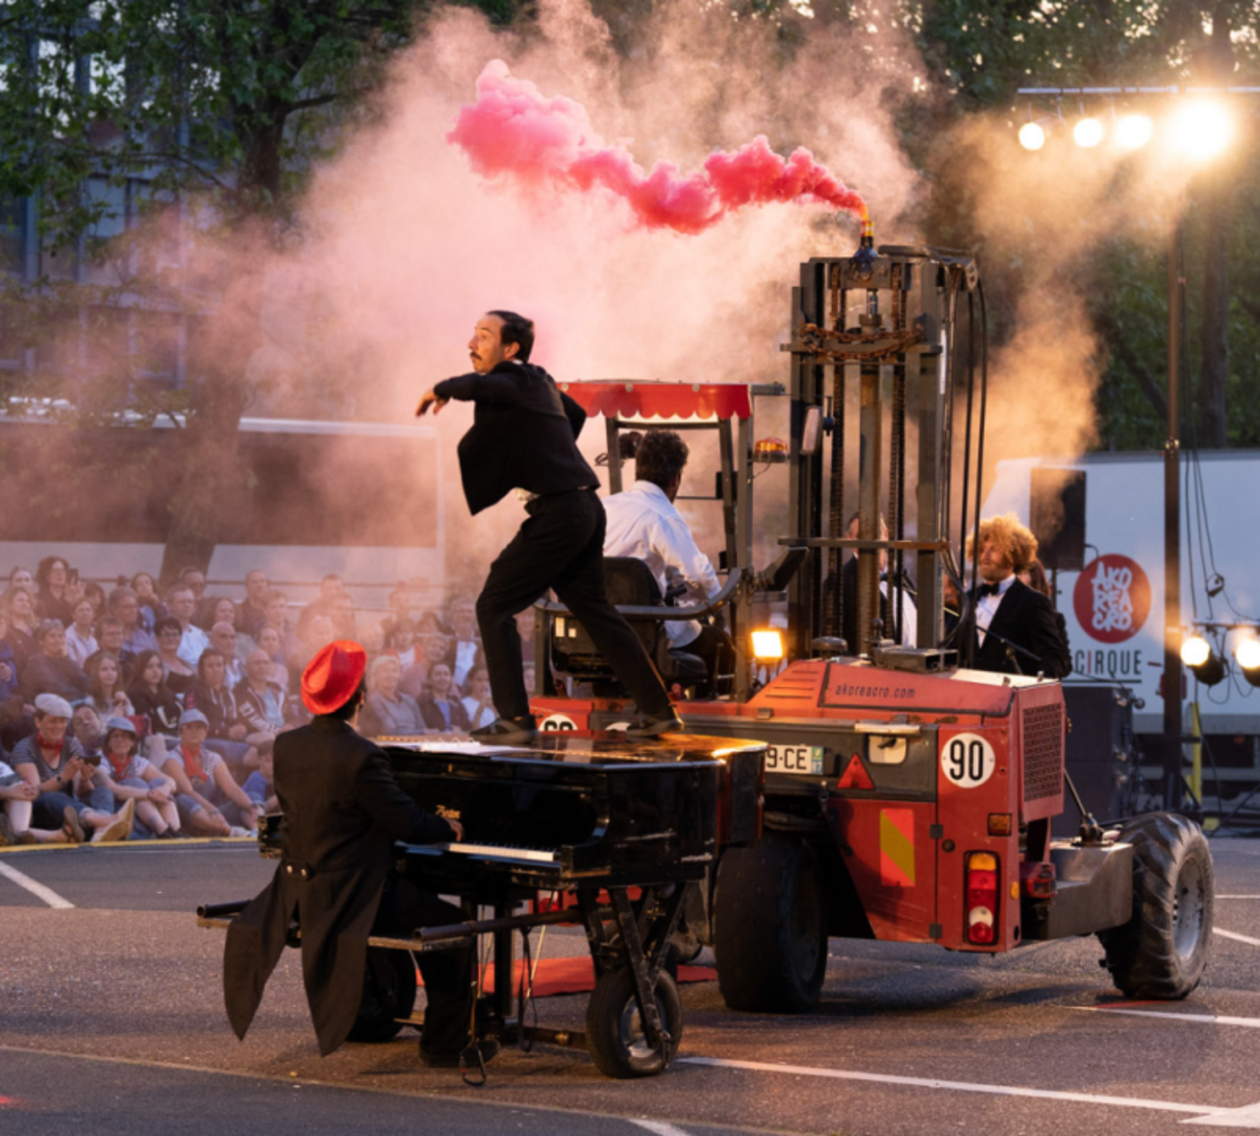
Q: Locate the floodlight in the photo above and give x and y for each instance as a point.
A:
(767, 646)
(1202, 662)
(1202, 129)
(1134, 131)
(1247, 656)
(1032, 136)
(1087, 133)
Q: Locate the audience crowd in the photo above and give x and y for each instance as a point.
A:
(136, 713)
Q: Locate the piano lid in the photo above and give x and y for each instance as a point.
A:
(599, 748)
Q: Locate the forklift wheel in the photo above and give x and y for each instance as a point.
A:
(389, 992)
(1162, 950)
(614, 1026)
(770, 927)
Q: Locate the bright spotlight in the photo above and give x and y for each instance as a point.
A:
(1202, 129)
(1204, 663)
(1247, 655)
(1032, 136)
(1134, 131)
(1087, 133)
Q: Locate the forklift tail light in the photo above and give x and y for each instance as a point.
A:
(767, 646)
(982, 898)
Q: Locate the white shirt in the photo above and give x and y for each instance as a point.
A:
(909, 616)
(193, 642)
(986, 608)
(465, 657)
(79, 647)
(643, 523)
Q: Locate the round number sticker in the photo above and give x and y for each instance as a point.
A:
(967, 760)
(557, 723)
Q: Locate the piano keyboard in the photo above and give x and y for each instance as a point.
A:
(500, 852)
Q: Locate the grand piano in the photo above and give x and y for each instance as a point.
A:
(587, 829)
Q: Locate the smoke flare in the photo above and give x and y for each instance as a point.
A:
(512, 130)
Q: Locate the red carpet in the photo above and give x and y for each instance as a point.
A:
(577, 975)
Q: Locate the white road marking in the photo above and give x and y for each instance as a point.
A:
(1206, 1019)
(36, 889)
(1236, 937)
(660, 1127)
(1206, 1113)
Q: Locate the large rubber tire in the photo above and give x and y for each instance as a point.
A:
(614, 1031)
(770, 927)
(1162, 951)
(389, 993)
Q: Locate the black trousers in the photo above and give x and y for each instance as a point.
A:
(714, 646)
(560, 546)
(448, 975)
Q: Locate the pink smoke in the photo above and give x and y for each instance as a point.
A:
(513, 131)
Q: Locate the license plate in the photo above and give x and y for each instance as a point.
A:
(795, 759)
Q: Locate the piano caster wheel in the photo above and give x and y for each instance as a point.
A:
(389, 992)
(614, 1031)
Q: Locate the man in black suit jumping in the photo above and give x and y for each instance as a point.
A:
(524, 437)
(1016, 629)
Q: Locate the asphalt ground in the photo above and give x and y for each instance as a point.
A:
(111, 1021)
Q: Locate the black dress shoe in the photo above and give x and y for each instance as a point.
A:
(488, 1046)
(507, 731)
(654, 728)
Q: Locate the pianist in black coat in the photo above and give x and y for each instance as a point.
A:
(343, 811)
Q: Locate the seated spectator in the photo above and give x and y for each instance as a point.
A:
(127, 775)
(109, 634)
(170, 639)
(252, 613)
(52, 601)
(343, 621)
(220, 609)
(153, 700)
(22, 578)
(400, 610)
(260, 785)
(19, 608)
(225, 639)
(226, 733)
(106, 691)
(96, 594)
(210, 802)
(465, 641)
(124, 604)
(8, 667)
(50, 670)
(269, 641)
(19, 798)
(440, 706)
(388, 712)
(477, 704)
(427, 623)
(402, 641)
(80, 642)
(373, 640)
(330, 587)
(260, 701)
(70, 797)
(151, 607)
(15, 723)
(195, 579)
(277, 605)
(437, 649)
(193, 640)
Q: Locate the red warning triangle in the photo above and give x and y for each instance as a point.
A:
(855, 776)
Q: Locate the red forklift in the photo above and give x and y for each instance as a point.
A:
(908, 797)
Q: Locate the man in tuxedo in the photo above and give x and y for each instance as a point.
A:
(1015, 629)
(524, 437)
(343, 811)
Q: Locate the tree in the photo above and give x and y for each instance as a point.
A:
(209, 115)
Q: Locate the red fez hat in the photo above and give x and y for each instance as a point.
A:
(333, 675)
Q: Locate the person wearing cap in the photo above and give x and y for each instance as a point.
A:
(524, 437)
(209, 800)
(70, 799)
(343, 811)
(128, 776)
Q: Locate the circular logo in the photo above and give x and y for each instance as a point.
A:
(1112, 598)
(967, 760)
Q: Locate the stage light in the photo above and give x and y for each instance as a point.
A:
(1202, 129)
(1247, 656)
(1032, 136)
(1134, 131)
(1087, 133)
(767, 646)
(1202, 662)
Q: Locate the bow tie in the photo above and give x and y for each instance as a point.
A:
(989, 589)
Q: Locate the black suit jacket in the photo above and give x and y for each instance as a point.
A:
(343, 811)
(1026, 618)
(523, 436)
